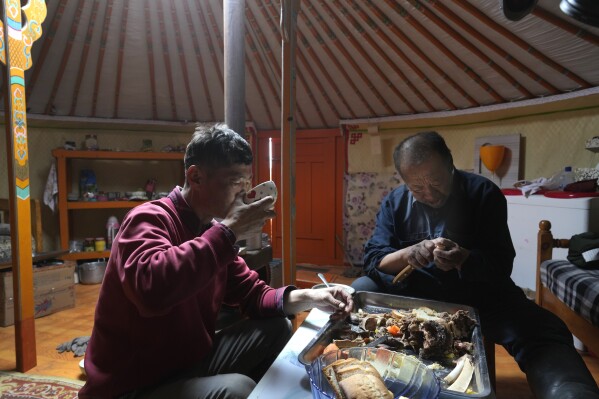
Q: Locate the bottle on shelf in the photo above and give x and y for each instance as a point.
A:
(566, 177)
(112, 227)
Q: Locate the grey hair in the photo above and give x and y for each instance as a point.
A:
(418, 148)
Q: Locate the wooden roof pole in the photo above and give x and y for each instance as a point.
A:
(16, 42)
(234, 60)
(289, 11)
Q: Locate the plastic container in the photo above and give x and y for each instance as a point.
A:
(76, 245)
(566, 177)
(112, 227)
(403, 375)
(100, 244)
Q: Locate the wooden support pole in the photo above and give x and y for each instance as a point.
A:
(289, 11)
(234, 64)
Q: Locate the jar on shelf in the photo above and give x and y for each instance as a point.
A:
(89, 245)
(100, 244)
(76, 245)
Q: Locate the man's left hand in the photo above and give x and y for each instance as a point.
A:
(449, 255)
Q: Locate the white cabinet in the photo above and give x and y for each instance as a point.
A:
(568, 216)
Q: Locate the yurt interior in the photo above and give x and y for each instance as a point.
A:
(102, 100)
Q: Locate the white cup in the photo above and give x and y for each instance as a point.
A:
(254, 242)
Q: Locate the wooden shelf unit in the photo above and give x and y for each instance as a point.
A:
(64, 177)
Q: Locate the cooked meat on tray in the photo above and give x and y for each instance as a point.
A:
(430, 334)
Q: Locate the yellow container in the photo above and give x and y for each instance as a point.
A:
(100, 244)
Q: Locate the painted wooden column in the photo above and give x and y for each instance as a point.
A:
(15, 53)
(289, 11)
(234, 64)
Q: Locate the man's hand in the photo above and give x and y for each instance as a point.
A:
(421, 254)
(334, 300)
(448, 255)
(246, 220)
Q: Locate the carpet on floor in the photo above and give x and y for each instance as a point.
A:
(15, 385)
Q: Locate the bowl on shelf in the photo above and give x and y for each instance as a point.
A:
(402, 374)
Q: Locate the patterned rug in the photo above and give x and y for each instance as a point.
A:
(15, 385)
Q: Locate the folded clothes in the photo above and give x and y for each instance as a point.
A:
(529, 187)
(77, 346)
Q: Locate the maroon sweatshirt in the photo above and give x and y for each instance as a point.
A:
(166, 279)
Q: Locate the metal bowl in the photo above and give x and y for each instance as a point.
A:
(91, 272)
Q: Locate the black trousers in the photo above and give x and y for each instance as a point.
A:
(242, 353)
(538, 340)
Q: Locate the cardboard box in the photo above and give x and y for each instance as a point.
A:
(53, 290)
(44, 304)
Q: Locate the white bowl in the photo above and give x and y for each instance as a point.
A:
(347, 288)
(82, 366)
(260, 191)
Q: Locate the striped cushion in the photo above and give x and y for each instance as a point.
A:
(577, 288)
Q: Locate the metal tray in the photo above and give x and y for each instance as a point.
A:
(372, 302)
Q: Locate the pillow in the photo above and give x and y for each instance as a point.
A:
(584, 250)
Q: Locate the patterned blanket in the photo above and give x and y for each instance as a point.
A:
(577, 288)
(15, 385)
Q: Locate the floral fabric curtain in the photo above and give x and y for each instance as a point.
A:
(363, 195)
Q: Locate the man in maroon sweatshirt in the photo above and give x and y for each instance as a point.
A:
(171, 267)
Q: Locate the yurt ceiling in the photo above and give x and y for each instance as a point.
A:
(162, 60)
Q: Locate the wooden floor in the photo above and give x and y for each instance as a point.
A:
(57, 328)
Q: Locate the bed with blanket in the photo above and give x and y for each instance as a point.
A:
(567, 290)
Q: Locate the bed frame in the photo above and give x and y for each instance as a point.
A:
(580, 327)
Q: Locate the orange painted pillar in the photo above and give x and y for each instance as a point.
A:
(16, 55)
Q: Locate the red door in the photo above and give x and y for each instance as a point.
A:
(318, 197)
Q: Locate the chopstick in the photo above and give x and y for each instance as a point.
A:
(406, 271)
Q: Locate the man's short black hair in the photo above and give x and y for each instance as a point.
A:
(217, 146)
(418, 148)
